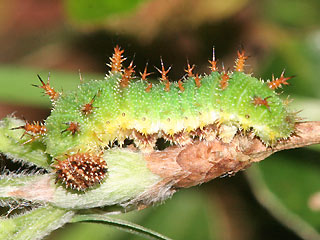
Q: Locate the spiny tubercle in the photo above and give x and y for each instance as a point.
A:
(48, 89)
(240, 62)
(277, 83)
(36, 128)
(258, 101)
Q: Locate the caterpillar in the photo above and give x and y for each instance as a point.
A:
(123, 106)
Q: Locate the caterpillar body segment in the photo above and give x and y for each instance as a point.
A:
(118, 111)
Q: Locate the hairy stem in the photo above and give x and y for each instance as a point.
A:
(35, 224)
(139, 179)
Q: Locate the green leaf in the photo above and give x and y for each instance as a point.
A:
(12, 145)
(34, 224)
(294, 13)
(121, 224)
(189, 214)
(99, 10)
(287, 184)
(94, 231)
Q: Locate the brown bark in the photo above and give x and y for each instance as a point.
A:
(202, 161)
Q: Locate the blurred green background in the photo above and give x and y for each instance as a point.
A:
(276, 199)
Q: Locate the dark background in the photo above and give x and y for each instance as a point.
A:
(63, 37)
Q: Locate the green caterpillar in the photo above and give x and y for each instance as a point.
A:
(85, 121)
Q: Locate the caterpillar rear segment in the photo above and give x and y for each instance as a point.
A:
(124, 106)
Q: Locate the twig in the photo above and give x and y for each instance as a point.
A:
(203, 161)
